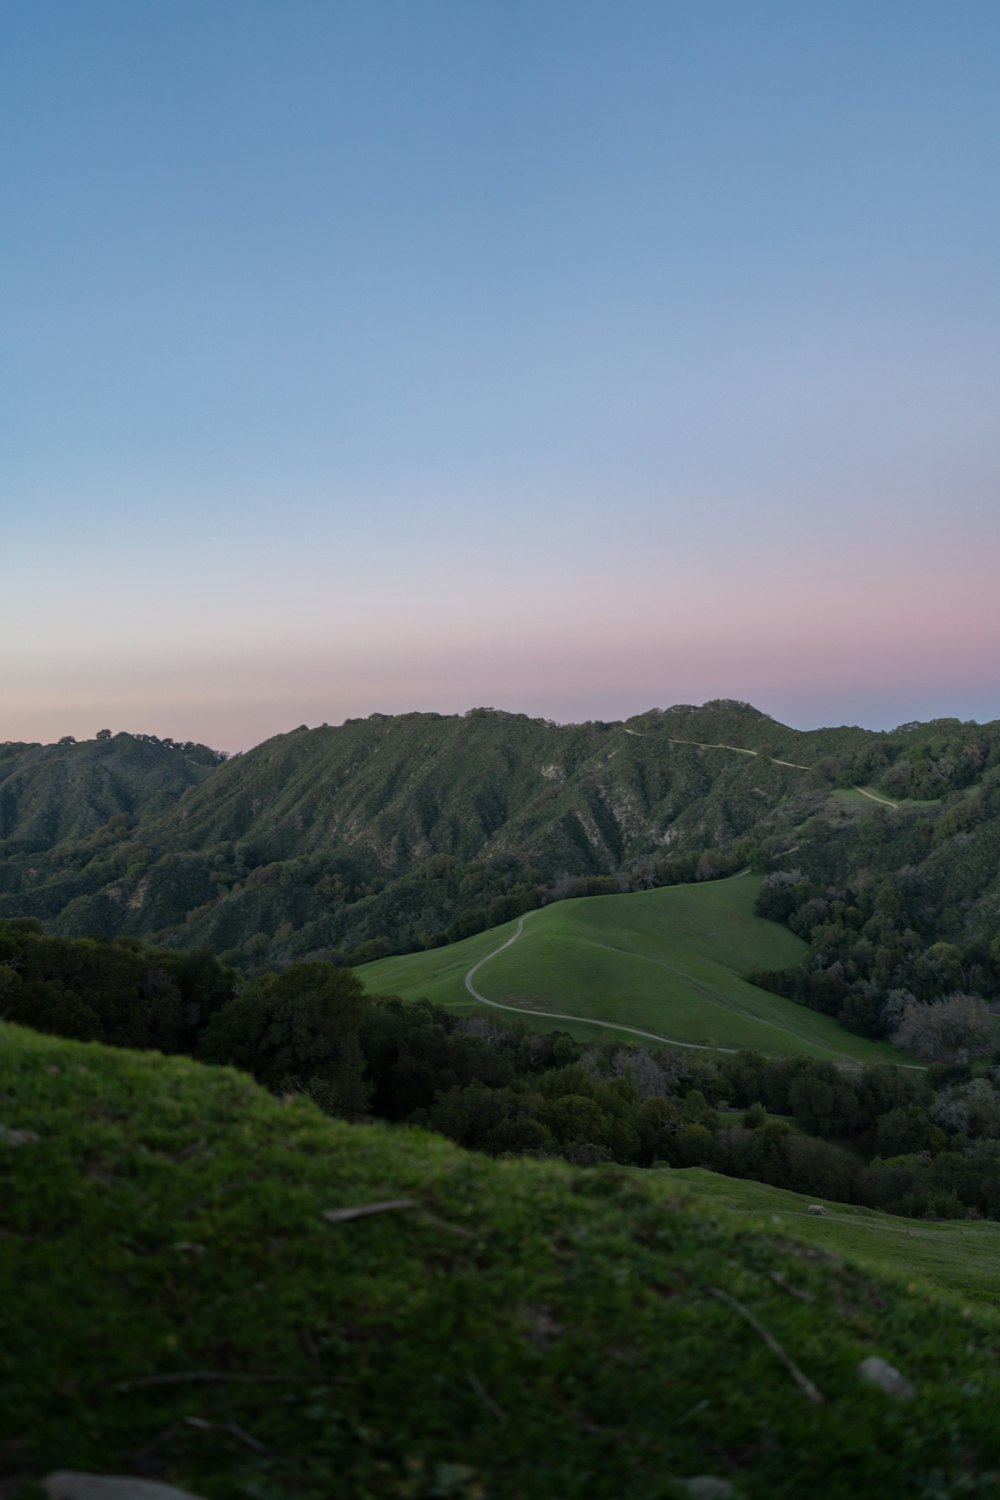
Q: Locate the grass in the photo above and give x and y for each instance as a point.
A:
(896, 803)
(856, 796)
(522, 1330)
(961, 1257)
(667, 961)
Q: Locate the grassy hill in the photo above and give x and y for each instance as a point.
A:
(960, 1256)
(664, 961)
(187, 1298)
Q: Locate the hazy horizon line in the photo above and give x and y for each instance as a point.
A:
(507, 712)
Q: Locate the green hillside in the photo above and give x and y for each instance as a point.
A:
(960, 1256)
(190, 1295)
(50, 794)
(666, 962)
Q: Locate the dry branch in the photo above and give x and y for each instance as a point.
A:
(803, 1382)
(232, 1428)
(793, 1291)
(362, 1210)
(487, 1399)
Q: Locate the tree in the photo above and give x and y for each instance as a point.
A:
(297, 1030)
(950, 1030)
(694, 1146)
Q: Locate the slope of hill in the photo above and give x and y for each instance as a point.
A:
(576, 797)
(666, 962)
(194, 1291)
(53, 793)
(961, 1257)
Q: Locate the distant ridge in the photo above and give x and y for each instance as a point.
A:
(404, 831)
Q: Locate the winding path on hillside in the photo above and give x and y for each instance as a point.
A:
(558, 1015)
(742, 750)
(871, 795)
(654, 1036)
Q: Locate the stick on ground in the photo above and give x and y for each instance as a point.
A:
(487, 1399)
(803, 1382)
(233, 1429)
(362, 1210)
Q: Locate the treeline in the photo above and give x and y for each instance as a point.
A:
(929, 761)
(341, 908)
(896, 915)
(119, 992)
(919, 1143)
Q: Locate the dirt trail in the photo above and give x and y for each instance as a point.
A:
(742, 750)
(556, 1015)
(849, 1065)
(884, 800)
(712, 745)
(654, 1036)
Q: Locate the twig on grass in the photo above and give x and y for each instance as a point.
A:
(362, 1210)
(793, 1291)
(232, 1428)
(309, 1345)
(692, 1411)
(805, 1385)
(190, 1150)
(459, 1229)
(487, 1399)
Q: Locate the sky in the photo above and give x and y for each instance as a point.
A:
(572, 357)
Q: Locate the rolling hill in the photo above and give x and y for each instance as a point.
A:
(664, 963)
(961, 1257)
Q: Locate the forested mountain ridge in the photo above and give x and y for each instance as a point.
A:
(50, 794)
(395, 832)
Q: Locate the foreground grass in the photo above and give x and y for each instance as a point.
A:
(668, 961)
(176, 1304)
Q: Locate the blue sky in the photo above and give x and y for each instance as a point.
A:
(574, 357)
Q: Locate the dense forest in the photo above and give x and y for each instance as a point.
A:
(917, 1142)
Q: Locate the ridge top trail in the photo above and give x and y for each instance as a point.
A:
(742, 750)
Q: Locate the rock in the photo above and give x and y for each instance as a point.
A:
(817, 1208)
(10, 1137)
(706, 1487)
(879, 1372)
(68, 1485)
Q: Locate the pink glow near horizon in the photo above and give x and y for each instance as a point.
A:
(868, 645)
(826, 630)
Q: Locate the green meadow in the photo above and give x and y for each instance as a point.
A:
(668, 962)
(958, 1256)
